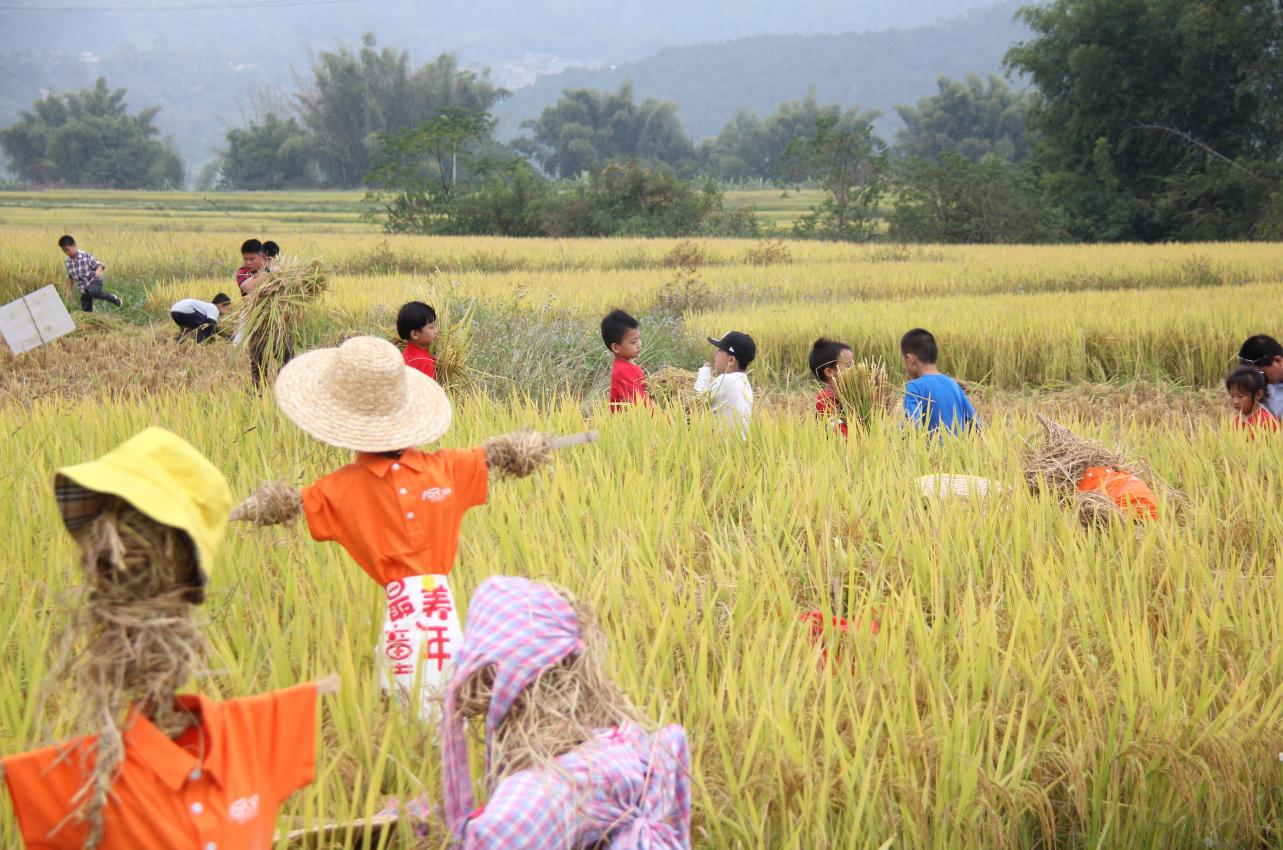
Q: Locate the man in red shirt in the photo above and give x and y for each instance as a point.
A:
(416, 323)
(622, 335)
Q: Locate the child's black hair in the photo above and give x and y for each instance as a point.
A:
(824, 355)
(251, 246)
(1249, 379)
(65, 241)
(414, 316)
(1260, 350)
(271, 250)
(221, 299)
(616, 326)
(921, 344)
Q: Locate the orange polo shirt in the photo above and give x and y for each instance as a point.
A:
(399, 518)
(257, 751)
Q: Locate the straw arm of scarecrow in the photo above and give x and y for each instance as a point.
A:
(271, 504)
(524, 453)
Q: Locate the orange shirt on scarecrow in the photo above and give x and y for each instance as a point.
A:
(256, 752)
(398, 517)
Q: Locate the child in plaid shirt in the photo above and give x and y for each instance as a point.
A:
(85, 273)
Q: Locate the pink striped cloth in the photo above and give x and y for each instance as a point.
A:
(627, 786)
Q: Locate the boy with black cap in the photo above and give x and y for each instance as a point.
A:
(725, 380)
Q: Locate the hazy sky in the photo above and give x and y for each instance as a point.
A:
(496, 32)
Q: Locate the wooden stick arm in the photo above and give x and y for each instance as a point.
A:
(581, 439)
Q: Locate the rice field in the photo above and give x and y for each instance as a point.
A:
(1032, 684)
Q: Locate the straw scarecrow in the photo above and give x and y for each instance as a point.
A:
(396, 510)
(162, 770)
(568, 764)
(1102, 485)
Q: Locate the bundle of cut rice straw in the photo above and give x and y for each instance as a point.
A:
(865, 392)
(270, 317)
(671, 386)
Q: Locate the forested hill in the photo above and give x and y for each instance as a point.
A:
(709, 82)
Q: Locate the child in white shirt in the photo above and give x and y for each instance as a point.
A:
(726, 382)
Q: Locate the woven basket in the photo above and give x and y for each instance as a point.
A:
(958, 486)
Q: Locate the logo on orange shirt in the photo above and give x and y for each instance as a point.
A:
(437, 494)
(243, 810)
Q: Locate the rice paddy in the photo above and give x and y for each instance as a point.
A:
(1032, 683)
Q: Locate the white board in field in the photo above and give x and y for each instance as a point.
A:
(34, 319)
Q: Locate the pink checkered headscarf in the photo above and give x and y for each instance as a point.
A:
(521, 627)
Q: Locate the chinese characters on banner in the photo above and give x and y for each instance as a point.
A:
(421, 634)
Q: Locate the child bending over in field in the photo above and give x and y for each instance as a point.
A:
(192, 314)
(725, 380)
(416, 323)
(1246, 388)
(1265, 353)
(622, 335)
(931, 398)
(395, 509)
(830, 358)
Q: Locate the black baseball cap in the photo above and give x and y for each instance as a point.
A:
(739, 344)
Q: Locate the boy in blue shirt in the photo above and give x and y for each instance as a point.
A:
(931, 398)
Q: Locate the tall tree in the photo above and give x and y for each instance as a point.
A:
(960, 201)
(88, 138)
(356, 96)
(752, 148)
(1158, 119)
(848, 160)
(588, 129)
(272, 154)
(973, 118)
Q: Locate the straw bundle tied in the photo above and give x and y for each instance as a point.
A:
(864, 392)
(273, 503)
(555, 713)
(134, 640)
(526, 452)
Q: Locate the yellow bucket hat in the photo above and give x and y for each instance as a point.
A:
(162, 476)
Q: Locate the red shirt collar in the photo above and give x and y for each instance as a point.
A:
(380, 465)
(417, 351)
(171, 763)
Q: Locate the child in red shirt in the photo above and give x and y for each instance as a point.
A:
(622, 335)
(416, 323)
(830, 358)
(1246, 387)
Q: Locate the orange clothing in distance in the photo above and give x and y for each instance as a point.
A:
(256, 752)
(1128, 492)
(399, 518)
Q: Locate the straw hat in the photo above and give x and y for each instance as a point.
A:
(362, 396)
